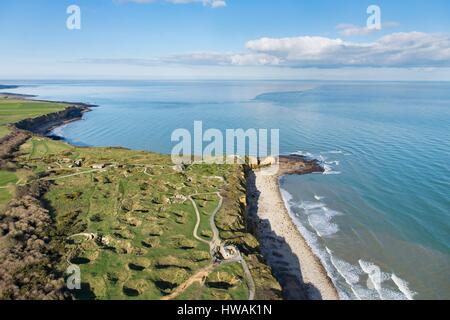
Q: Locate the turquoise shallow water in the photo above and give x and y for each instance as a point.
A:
(379, 219)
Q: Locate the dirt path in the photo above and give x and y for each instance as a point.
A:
(199, 277)
(55, 178)
(72, 175)
(216, 241)
(197, 224)
(212, 219)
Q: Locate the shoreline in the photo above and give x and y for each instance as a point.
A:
(301, 275)
(39, 125)
(296, 267)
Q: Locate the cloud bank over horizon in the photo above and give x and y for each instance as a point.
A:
(206, 3)
(349, 30)
(396, 50)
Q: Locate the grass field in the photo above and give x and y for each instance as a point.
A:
(137, 205)
(125, 218)
(6, 192)
(15, 110)
(40, 147)
(4, 131)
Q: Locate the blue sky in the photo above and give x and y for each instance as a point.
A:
(225, 39)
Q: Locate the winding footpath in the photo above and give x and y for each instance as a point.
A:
(197, 224)
(216, 242)
(53, 178)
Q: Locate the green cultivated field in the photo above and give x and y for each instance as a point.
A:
(15, 110)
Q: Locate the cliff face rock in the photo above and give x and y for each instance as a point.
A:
(44, 124)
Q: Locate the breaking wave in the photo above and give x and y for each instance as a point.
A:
(364, 280)
(327, 164)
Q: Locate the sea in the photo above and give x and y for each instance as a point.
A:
(378, 218)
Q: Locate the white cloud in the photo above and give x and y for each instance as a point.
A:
(218, 4)
(206, 3)
(348, 30)
(121, 61)
(310, 48)
(352, 30)
(199, 59)
(397, 50)
(256, 59)
(237, 59)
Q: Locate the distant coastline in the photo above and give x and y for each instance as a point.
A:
(45, 124)
(5, 86)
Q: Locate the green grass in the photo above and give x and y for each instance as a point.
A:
(130, 208)
(12, 110)
(15, 110)
(126, 206)
(4, 131)
(6, 178)
(38, 147)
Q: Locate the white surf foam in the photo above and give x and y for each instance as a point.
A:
(352, 276)
(348, 279)
(309, 206)
(345, 271)
(403, 286)
(322, 225)
(329, 170)
(366, 281)
(287, 197)
(310, 237)
(378, 278)
(58, 131)
(309, 155)
(349, 272)
(319, 217)
(313, 241)
(303, 153)
(391, 294)
(324, 162)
